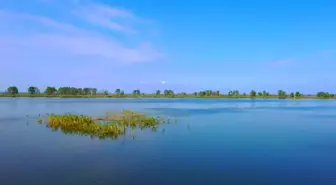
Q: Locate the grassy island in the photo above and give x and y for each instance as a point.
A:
(111, 125)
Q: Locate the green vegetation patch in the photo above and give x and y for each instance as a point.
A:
(111, 125)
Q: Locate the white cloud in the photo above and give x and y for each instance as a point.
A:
(30, 32)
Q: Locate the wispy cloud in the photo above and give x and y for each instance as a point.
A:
(72, 38)
(107, 17)
(15, 18)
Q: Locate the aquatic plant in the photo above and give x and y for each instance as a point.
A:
(112, 125)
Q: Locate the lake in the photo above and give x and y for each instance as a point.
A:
(216, 141)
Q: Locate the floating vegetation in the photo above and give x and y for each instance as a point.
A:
(112, 125)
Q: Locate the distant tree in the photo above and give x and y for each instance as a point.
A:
(298, 94)
(13, 90)
(282, 94)
(158, 92)
(80, 91)
(324, 95)
(195, 93)
(50, 91)
(217, 93)
(253, 93)
(260, 93)
(214, 93)
(207, 93)
(183, 94)
(321, 94)
(122, 93)
(106, 92)
(86, 91)
(171, 92)
(94, 91)
(136, 92)
(33, 90)
(117, 91)
(292, 95)
(62, 91)
(279, 93)
(264, 94)
(168, 92)
(236, 93)
(73, 91)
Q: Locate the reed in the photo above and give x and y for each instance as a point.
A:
(112, 125)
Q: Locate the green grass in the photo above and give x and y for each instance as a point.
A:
(111, 125)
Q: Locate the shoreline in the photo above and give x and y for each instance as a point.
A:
(166, 97)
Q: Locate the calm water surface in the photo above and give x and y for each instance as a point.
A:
(245, 142)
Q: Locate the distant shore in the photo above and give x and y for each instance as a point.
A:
(73, 92)
(159, 96)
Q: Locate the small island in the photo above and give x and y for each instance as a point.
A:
(111, 125)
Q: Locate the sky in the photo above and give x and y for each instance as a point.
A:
(180, 45)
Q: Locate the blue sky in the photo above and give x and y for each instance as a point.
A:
(179, 45)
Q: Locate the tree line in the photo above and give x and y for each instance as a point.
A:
(64, 91)
(13, 90)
